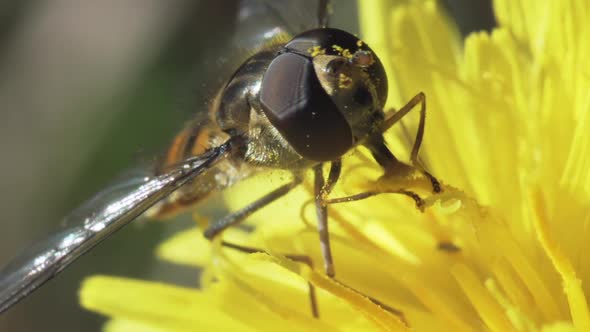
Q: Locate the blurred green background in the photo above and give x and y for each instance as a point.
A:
(91, 88)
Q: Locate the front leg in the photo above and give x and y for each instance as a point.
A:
(321, 191)
(322, 214)
(237, 217)
(386, 158)
(391, 165)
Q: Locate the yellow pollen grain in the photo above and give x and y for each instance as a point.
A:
(344, 81)
(338, 49)
(342, 51)
(572, 286)
(316, 50)
(346, 53)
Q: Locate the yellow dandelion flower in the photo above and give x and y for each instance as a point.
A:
(500, 249)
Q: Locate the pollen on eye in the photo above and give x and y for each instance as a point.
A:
(344, 81)
(316, 50)
(342, 51)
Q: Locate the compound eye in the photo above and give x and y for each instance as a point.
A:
(294, 101)
(335, 66)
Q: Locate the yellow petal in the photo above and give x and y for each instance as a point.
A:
(161, 305)
(122, 325)
(186, 248)
(572, 286)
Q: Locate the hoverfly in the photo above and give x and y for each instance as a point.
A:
(295, 105)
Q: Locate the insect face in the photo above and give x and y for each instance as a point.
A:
(324, 92)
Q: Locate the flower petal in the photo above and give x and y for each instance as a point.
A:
(161, 305)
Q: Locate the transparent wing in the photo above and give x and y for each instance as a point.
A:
(248, 25)
(254, 24)
(104, 214)
(261, 20)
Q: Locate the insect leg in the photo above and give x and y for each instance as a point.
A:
(364, 195)
(307, 260)
(333, 176)
(298, 258)
(390, 163)
(379, 149)
(239, 216)
(420, 98)
(321, 190)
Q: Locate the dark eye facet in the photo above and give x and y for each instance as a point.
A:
(296, 104)
(362, 96)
